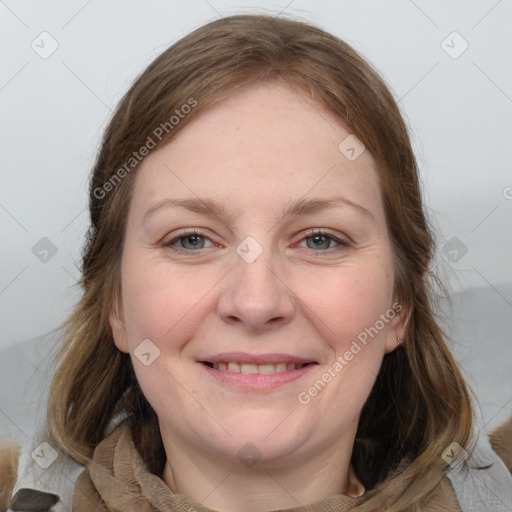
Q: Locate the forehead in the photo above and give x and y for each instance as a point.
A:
(263, 146)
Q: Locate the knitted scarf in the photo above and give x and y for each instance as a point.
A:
(117, 480)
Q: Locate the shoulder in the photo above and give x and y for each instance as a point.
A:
(485, 482)
(488, 480)
(36, 477)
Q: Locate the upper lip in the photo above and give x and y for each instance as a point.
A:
(244, 357)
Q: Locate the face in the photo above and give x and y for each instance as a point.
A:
(253, 242)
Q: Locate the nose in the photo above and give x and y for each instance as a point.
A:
(255, 296)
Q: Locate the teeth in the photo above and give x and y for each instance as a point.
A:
(234, 367)
(265, 369)
(251, 369)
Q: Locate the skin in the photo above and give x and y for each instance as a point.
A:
(256, 152)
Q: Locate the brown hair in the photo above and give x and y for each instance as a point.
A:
(419, 404)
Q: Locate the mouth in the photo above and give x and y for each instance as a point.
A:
(252, 368)
(248, 372)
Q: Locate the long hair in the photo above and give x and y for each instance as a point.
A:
(419, 404)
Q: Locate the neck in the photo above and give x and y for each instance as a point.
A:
(267, 486)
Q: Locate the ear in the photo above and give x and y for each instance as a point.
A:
(397, 326)
(117, 327)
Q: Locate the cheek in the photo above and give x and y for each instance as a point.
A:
(347, 312)
(158, 301)
(348, 302)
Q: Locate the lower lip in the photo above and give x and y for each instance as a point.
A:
(255, 381)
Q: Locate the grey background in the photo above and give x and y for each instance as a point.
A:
(54, 109)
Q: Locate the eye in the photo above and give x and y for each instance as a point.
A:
(193, 240)
(319, 240)
(189, 241)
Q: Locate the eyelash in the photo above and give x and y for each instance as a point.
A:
(311, 233)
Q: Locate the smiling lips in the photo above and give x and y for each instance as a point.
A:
(263, 369)
(256, 372)
(250, 364)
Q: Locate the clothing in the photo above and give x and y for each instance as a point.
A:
(118, 481)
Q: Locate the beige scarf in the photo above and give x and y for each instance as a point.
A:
(117, 480)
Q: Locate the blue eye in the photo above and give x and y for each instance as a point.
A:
(316, 240)
(320, 240)
(192, 242)
(188, 241)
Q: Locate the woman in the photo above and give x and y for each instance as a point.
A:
(256, 331)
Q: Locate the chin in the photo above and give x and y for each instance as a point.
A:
(271, 442)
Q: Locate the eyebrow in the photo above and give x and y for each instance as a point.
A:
(300, 207)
